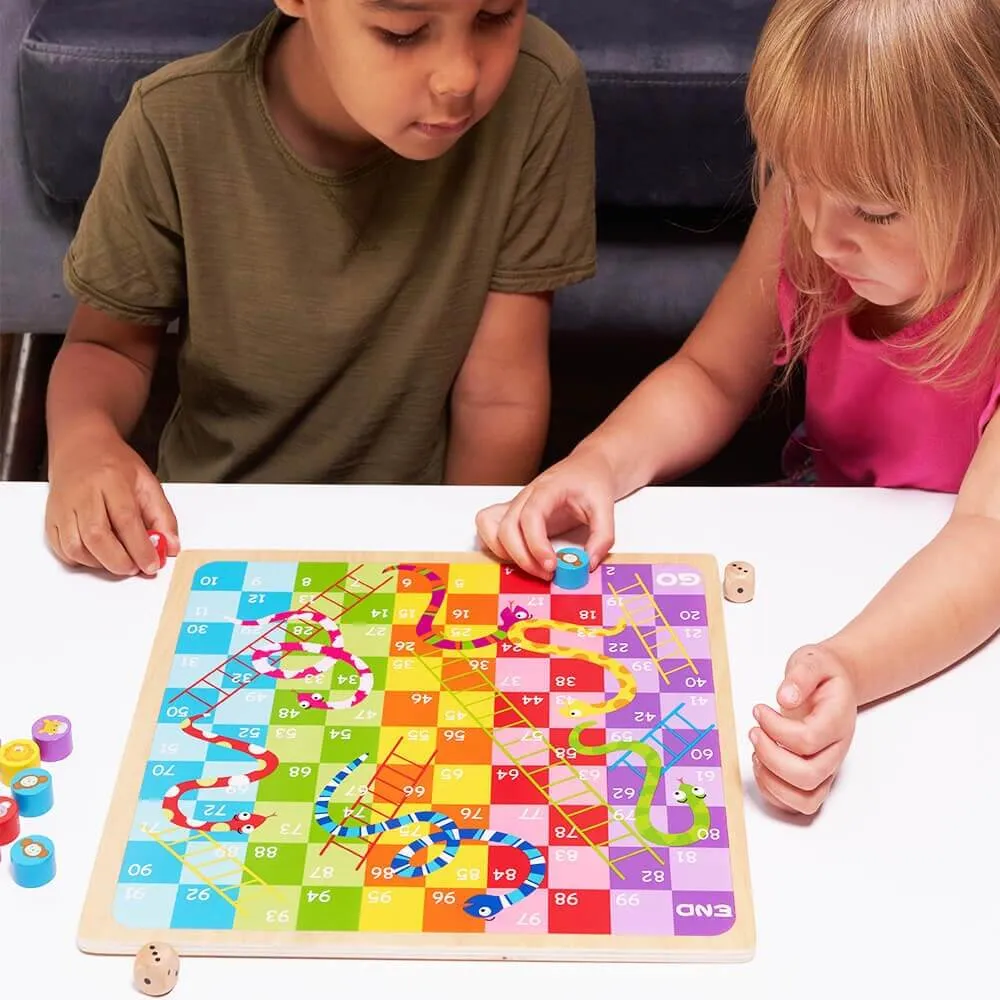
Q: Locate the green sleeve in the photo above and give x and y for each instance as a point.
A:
(127, 256)
(550, 237)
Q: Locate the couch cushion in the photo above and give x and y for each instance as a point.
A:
(79, 60)
(666, 75)
(667, 79)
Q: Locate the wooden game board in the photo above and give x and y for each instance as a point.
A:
(536, 848)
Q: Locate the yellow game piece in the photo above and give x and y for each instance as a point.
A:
(17, 756)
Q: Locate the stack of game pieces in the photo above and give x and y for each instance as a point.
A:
(32, 857)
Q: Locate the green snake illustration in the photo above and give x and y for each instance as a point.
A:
(690, 795)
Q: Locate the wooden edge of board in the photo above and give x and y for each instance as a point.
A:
(100, 934)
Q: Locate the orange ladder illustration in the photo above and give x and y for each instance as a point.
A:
(386, 787)
(478, 697)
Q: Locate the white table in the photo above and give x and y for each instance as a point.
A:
(895, 884)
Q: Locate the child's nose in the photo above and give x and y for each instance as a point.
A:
(458, 77)
(829, 239)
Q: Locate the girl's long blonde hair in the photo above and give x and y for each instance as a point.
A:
(897, 102)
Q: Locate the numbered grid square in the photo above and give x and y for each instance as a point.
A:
(271, 576)
(641, 912)
(212, 605)
(272, 908)
(514, 675)
(219, 576)
(695, 869)
(529, 917)
(275, 863)
(474, 578)
(529, 821)
(222, 865)
(144, 905)
(337, 908)
(588, 870)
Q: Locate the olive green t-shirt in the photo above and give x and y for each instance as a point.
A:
(326, 314)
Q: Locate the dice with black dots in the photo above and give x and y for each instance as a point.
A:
(156, 968)
(739, 582)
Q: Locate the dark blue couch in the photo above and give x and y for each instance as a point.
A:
(673, 169)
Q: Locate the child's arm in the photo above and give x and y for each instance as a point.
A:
(500, 401)
(126, 267)
(679, 416)
(939, 607)
(103, 499)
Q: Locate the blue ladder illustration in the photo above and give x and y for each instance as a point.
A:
(672, 756)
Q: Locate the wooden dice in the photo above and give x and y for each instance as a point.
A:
(156, 968)
(738, 582)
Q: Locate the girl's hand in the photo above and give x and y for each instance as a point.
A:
(103, 502)
(578, 490)
(800, 749)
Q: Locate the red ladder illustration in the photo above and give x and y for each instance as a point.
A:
(478, 696)
(239, 668)
(385, 785)
(641, 610)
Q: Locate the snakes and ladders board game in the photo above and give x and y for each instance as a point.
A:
(430, 756)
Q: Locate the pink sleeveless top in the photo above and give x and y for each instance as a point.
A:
(871, 423)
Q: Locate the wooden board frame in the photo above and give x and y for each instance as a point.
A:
(100, 933)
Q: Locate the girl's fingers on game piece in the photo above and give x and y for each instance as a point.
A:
(600, 516)
(512, 539)
(785, 796)
(534, 529)
(488, 524)
(806, 773)
(510, 535)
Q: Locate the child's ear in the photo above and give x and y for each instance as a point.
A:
(293, 8)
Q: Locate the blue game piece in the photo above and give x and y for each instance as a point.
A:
(33, 861)
(32, 790)
(572, 568)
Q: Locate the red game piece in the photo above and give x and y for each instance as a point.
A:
(160, 544)
(10, 822)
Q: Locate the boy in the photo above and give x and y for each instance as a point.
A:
(358, 212)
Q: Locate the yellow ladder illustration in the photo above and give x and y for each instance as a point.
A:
(477, 696)
(642, 612)
(220, 858)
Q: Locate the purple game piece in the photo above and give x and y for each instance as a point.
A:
(54, 736)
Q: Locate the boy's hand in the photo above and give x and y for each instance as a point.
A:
(800, 750)
(575, 491)
(103, 502)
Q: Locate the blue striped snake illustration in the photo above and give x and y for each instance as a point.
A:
(449, 834)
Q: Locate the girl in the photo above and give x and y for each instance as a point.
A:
(874, 259)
